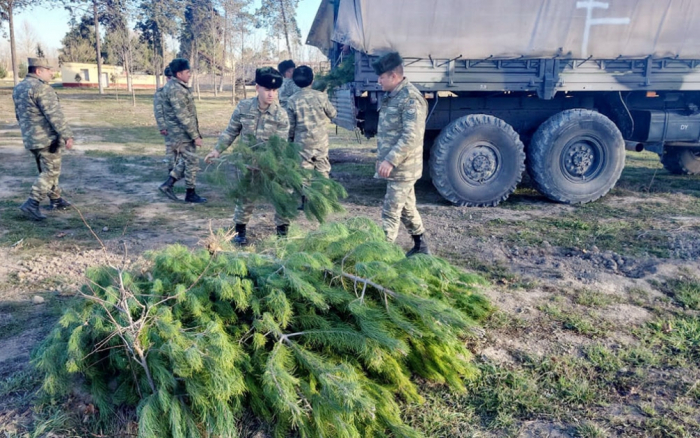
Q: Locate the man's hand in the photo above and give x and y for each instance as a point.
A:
(163, 132)
(198, 142)
(385, 169)
(69, 144)
(211, 155)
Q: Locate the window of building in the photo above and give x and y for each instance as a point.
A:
(86, 74)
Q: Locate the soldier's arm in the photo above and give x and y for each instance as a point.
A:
(47, 101)
(409, 129)
(282, 125)
(328, 108)
(232, 131)
(188, 120)
(292, 117)
(158, 111)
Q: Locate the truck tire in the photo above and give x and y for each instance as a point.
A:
(576, 156)
(681, 160)
(477, 161)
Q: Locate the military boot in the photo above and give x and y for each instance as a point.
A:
(31, 209)
(282, 230)
(167, 188)
(419, 246)
(193, 197)
(240, 238)
(303, 203)
(59, 204)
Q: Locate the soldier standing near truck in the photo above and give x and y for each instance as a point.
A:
(183, 131)
(160, 121)
(400, 150)
(44, 132)
(260, 118)
(286, 69)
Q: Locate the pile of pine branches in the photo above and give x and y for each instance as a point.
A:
(319, 335)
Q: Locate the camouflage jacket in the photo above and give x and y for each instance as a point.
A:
(309, 111)
(39, 113)
(249, 121)
(158, 111)
(401, 130)
(179, 112)
(288, 89)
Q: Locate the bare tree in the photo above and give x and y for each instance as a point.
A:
(8, 8)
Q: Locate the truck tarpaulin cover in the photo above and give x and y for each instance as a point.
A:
(477, 29)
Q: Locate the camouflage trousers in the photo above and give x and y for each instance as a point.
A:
(170, 156)
(319, 162)
(400, 206)
(49, 165)
(186, 163)
(244, 211)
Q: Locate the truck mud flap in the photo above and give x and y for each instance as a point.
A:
(343, 99)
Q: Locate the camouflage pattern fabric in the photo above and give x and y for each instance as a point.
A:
(39, 114)
(49, 165)
(400, 206)
(159, 114)
(250, 122)
(158, 110)
(179, 112)
(400, 132)
(288, 89)
(186, 163)
(309, 111)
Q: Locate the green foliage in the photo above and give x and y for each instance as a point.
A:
(23, 70)
(344, 73)
(271, 171)
(317, 335)
(3, 72)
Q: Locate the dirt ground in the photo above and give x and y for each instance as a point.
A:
(563, 278)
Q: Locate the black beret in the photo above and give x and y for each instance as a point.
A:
(303, 76)
(285, 65)
(179, 64)
(168, 73)
(387, 63)
(268, 77)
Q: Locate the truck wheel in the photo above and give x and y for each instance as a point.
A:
(576, 156)
(681, 160)
(477, 161)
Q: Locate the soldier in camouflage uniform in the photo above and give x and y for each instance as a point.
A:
(259, 118)
(309, 111)
(181, 122)
(159, 114)
(400, 150)
(289, 88)
(44, 132)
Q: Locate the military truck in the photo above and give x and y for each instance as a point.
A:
(560, 87)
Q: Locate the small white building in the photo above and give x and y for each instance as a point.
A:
(76, 74)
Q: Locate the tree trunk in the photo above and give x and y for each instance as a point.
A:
(245, 87)
(286, 30)
(13, 49)
(99, 50)
(233, 82)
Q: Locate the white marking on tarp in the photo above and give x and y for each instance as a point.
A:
(590, 21)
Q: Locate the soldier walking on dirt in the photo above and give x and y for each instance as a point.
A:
(400, 134)
(258, 118)
(44, 133)
(309, 111)
(181, 122)
(289, 88)
(159, 114)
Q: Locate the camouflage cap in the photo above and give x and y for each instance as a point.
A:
(39, 62)
(387, 63)
(268, 77)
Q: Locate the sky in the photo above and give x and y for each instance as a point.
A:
(51, 24)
